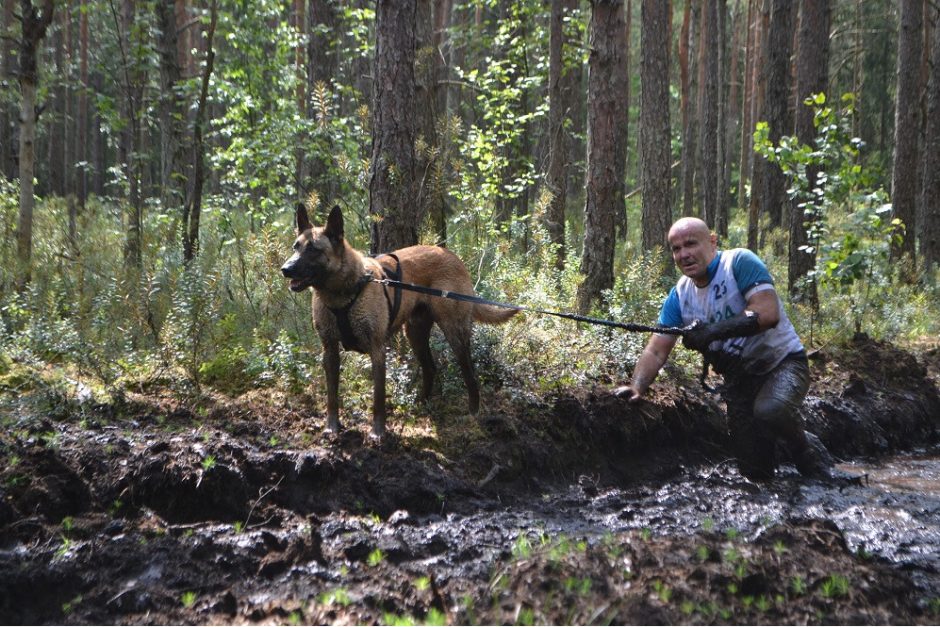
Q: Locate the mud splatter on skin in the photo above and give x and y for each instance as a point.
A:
(588, 511)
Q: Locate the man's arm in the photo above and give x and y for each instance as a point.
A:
(648, 366)
(762, 312)
(767, 307)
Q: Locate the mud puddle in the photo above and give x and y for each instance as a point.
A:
(704, 546)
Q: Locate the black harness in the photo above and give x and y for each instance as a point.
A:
(346, 334)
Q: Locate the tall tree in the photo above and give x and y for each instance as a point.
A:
(132, 84)
(930, 194)
(776, 110)
(171, 111)
(396, 215)
(906, 128)
(688, 108)
(35, 23)
(758, 95)
(708, 108)
(299, 19)
(812, 77)
(606, 149)
(193, 208)
(655, 154)
(559, 110)
(81, 138)
(7, 143)
(430, 190)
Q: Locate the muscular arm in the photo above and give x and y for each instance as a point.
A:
(767, 307)
(648, 366)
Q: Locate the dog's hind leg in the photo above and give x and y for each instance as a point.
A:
(458, 335)
(418, 331)
(331, 367)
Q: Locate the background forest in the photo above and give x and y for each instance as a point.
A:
(152, 152)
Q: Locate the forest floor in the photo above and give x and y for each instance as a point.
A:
(578, 509)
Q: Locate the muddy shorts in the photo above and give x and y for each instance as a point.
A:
(763, 409)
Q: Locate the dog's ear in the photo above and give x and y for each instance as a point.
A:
(334, 224)
(303, 220)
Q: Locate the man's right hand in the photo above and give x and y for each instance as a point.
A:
(628, 392)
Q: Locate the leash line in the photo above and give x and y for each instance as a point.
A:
(626, 326)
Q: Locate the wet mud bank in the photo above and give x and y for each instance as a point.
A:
(583, 509)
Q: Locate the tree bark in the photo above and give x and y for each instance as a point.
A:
(171, 112)
(759, 85)
(559, 110)
(812, 77)
(193, 210)
(8, 149)
(688, 69)
(906, 129)
(395, 213)
(930, 199)
(81, 136)
(130, 136)
(34, 27)
(708, 106)
(606, 149)
(655, 154)
(776, 106)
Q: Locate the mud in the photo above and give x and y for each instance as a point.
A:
(578, 509)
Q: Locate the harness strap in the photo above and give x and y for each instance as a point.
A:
(393, 275)
(346, 334)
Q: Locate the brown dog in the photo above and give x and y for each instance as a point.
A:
(350, 309)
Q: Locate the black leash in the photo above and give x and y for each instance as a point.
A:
(626, 326)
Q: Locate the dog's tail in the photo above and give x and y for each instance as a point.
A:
(488, 314)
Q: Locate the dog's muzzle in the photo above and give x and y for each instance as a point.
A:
(298, 282)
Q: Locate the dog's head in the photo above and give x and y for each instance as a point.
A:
(318, 252)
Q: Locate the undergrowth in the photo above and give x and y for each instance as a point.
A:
(227, 322)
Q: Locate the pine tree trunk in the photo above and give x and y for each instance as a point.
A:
(930, 199)
(392, 186)
(558, 111)
(655, 154)
(8, 148)
(606, 149)
(812, 76)
(688, 53)
(906, 129)
(776, 106)
(708, 118)
(81, 135)
(172, 176)
(193, 211)
(301, 166)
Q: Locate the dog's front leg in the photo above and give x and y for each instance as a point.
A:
(331, 367)
(378, 391)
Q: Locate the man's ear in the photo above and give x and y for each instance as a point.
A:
(303, 220)
(334, 224)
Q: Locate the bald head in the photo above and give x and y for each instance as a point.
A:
(688, 226)
(693, 246)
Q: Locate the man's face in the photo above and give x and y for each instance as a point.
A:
(693, 248)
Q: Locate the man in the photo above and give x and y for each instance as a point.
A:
(743, 331)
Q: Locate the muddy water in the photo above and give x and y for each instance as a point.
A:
(895, 517)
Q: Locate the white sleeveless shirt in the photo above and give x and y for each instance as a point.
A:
(726, 296)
